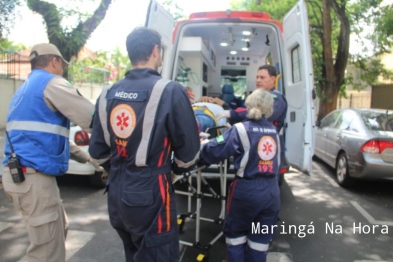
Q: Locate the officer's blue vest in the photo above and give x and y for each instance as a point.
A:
(39, 135)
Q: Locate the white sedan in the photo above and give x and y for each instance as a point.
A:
(81, 139)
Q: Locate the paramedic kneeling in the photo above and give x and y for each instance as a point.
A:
(254, 194)
(139, 122)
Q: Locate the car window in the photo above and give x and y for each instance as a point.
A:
(389, 125)
(356, 125)
(339, 122)
(329, 120)
(345, 119)
(379, 121)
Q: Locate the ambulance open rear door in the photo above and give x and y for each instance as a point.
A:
(298, 83)
(162, 21)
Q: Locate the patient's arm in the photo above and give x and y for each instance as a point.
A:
(205, 99)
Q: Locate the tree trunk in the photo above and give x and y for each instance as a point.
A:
(69, 43)
(342, 53)
(333, 72)
(328, 88)
(329, 104)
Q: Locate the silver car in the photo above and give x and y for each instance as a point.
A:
(358, 143)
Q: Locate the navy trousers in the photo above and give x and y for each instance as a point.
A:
(252, 211)
(142, 209)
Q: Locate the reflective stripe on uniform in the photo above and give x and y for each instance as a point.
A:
(103, 114)
(241, 130)
(38, 127)
(257, 246)
(181, 164)
(148, 121)
(236, 241)
(279, 152)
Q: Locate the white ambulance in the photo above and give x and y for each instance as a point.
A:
(211, 49)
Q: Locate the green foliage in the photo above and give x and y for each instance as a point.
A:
(366, 17)
(120, 63)
(102, 68)
(276, 8)
(370, 22)
(69, 28)
(369, 71)
(7, 11)
(176, 11)
(385, 26)
(11, 46)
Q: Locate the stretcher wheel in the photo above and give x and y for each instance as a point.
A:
(201, 258)
(180, 223)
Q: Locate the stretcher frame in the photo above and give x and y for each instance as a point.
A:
(197, 192)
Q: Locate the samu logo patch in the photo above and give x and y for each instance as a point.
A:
(123, 120)
(267, 148)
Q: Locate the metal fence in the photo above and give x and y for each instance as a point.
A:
(13, 65)
(354, 100)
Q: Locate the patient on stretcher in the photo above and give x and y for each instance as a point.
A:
(208, 125)
(206, 120)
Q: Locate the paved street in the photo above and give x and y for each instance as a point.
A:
(319, 222)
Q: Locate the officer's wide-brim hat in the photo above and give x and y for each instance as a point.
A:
(46, 49)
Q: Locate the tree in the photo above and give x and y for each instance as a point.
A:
(103, 67)
(176, 11)
(121, 64)
(332, 23)
(7, 11)
(8, 45)
(69, 40)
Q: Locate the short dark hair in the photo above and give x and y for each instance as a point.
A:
(270, 69)
(140, 43)
(42, 61)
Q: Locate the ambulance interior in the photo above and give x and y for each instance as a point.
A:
(197, 54)
(213, 54)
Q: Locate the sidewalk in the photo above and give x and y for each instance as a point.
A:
(2, 141)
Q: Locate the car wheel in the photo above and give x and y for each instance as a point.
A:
(99, 179)
(342, 172)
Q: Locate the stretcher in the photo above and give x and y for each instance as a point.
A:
(196, 193)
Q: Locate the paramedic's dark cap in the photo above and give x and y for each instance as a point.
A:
(46, 49)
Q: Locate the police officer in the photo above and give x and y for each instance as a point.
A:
(140, 121)
(38, 126)
(254, 194)
(80, 156)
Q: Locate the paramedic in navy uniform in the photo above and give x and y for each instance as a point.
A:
(38, 125)
(140, 121)
(254, 194)
(266, 77)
